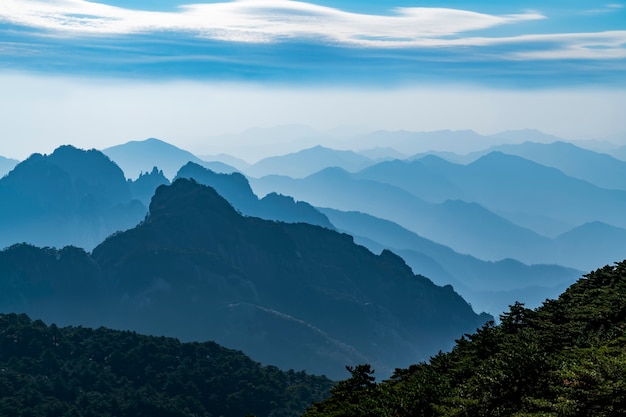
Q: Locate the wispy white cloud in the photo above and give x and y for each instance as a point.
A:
(607, 8)
(258, 21)
(598, 45)
(300, 41)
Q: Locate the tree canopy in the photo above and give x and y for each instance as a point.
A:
(81, 372)
(565, 358)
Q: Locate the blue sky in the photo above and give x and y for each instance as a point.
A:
(347, 49)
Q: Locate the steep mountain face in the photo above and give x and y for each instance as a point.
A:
(294, 295)
(235, 188)
(68, 197)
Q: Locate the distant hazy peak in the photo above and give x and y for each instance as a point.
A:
(525, 135)
(332, 172)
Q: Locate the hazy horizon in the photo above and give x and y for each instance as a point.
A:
(100, 74)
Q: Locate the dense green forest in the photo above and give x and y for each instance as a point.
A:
(75, 371)
(566, 358)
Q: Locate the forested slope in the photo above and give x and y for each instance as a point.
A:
(75, 371)
(566, 358)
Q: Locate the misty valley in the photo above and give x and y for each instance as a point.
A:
(143, 279)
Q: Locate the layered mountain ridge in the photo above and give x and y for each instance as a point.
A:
(294, 295)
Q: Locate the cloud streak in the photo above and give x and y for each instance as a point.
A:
(608, 8)
(258, 21)
(296, 41)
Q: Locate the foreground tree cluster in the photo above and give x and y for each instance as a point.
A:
(75, 371)
(566, 358)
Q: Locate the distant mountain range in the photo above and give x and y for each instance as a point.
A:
(465, 227)
(77, 197)
(488, 286)
(600, 169)
(457, 224)
(307, 162)
(477, 280)
(294, 295)
(458, 141)
(259, 143)
(499, 206)
(535, 196)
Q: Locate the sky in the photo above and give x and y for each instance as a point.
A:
(100, 74)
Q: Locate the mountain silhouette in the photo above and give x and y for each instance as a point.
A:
(409, 142)
(135, 157)
(596, 168)
(510, 183)
(71, 196)
(227, 159)
(527, 193)
(611, 243)
(308, 161)
(6, 165)
(488, 286)
(235, 188)
(77, 197)
(294, 295)
(415, 176)
(540, 198)
(524, 135)
(145, 185)
(619, 153)
(465, 227)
